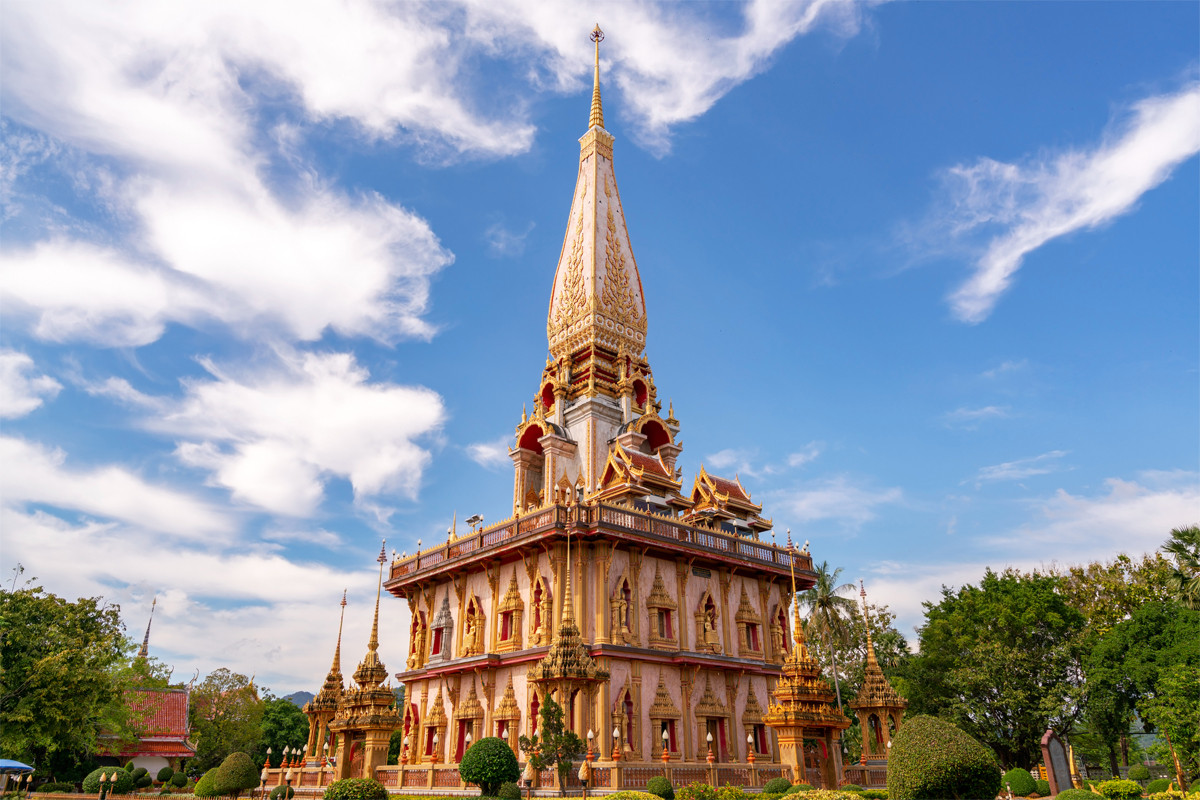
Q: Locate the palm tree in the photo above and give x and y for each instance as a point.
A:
(829, 613)
(1184, 579)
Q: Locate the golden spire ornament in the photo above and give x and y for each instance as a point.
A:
(597, 117)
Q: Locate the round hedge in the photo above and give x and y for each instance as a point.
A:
(933, 759)
(206, 786)
(660, 787)
(488, 763)
(236, 773)
(356, 789)
(124, 784)
(283, 791)
(1020, 781)
(178, 780)
(164, 774)
(1075, 794)
(1120, 790)
(1043, 787)
(777, 786)
(1139, 772)
(850, 787)
(1157, 785)
(630, 794)
(800, 787)
(509, 791)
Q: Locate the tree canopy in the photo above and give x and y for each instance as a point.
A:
(226, 716)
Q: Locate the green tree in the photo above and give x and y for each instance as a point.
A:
(1107, 593)
(59, 681)
(551, 745)
(1001, 661)
(1184, 579)
(283, 724)
(829, 614)
(1175, 713)
(226, 716)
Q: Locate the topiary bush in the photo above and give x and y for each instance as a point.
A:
(800, 787)
(931, 758)
(509, 791)
(206, 786)
(1120, 790)
(1157, 785)
(630, 794)
(728, 792)
(283, 792)
(488, 763)
(874, 794)
(777, 786)
(179, 780)
(356, 789)
(1139, 772)
(1043, 787)
(660, 787)
(1020, 781)
(236, 774)
(1075, 794)
(165, 774)
(124, 784)
(696, 791)
(1195, 787)
(851, 787)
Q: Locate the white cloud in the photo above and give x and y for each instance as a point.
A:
(505, 243)
(319, 537)
(971, 417)
(20, 391)
(733, 460)
(810, 452)
(274, 435)
(1005, 368)
(30, 473)
(838, 498)
(1055, 195)
(493, 454)
(219, 604)
(1021, 468)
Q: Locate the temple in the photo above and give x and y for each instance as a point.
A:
(661, 619)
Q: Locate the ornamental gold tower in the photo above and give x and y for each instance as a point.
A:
(658, 618)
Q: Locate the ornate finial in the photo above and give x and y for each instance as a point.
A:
(452, 531)
(568, 614)
(524, 413)
(145, 651)
(337, 651)
(373, 645)
(862, 591)
(597, 117)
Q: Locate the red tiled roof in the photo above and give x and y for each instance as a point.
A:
(159, 712)
(728, 487)
(645, 463)
(165, 748)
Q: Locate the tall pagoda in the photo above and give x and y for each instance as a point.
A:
(657, 617)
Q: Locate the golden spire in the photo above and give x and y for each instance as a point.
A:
(597, 118)
(371, 672)
(373, 645)
(337, 650)
(801, 649)
(862, 591)
(568, 615)
(145, 651)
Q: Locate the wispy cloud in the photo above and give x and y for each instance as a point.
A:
(1005, 368)
(20, 390)
(970, 418)
(1018, 207)
(493, 454)
(807, 454)
(504, 242)
(1022, 468)
(840, 498)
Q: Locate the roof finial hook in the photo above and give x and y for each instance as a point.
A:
(597, 117)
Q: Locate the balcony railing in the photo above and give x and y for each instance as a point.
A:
(622, 518)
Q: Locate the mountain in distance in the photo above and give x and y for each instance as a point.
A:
(299, 698)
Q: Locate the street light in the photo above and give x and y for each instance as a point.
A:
(750, 748)
(263, 788)
(711, 758)
(666, 754)
(435, 749)
(616, 751)
(103, 783)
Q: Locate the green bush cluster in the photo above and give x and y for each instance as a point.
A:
(509, 791)
(356, 789)
(660, 787)
(1157, 785)
(931, 758)
(630, 794)
(56, 786)
(179, 779)
(123, 785)
(1020, 781)
(852, 787)
(1139, 772)
(283, 792)
(1075, 794)
(488, 763)
(800, 787)
(236, 774)
(206, 786)
(696, 791)
(1120, 790)
(164, 775)
(777, 786)
(728, 792)
(874, 794)
(1043, 787)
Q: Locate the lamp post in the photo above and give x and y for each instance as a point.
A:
(666, 753)
(103, 784)
(287, 793)
(436, 755)
(325, 754)
(710, 758)
(262, 789)
(616, 753)
(750, 748)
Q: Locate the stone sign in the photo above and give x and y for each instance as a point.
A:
(1058, 768)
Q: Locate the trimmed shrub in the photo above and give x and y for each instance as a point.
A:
(129, 767)
(164, 775)
(1139, 772)
(166, 789)
(206, 786)
(283, 792)
(509, 791)
(660, 787)
(777, 786)
(630, 794)
(931, 758)
(1157, 785)
(124, 784)
(236, 774)
(1020, 781)
(179, 780)
(488, 763)
(874, 794)
(1195, 787)
(56, 786)
(851, 787)
(1043, 787)
(1120, 790)
(800, 787)
(356, 789)
(1075, 794)
(728, 792)
(696, 791)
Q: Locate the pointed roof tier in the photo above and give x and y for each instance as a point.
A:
(721, 498)
(569, 661)
(876, 691)
(144, 652)
(331, 691)
(631, 472)
(597, 297)
(371, 672)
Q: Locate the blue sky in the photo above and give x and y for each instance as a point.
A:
(924, 275)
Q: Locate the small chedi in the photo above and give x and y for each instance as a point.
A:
(661, 620)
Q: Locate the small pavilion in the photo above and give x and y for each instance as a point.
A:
(879, 709)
